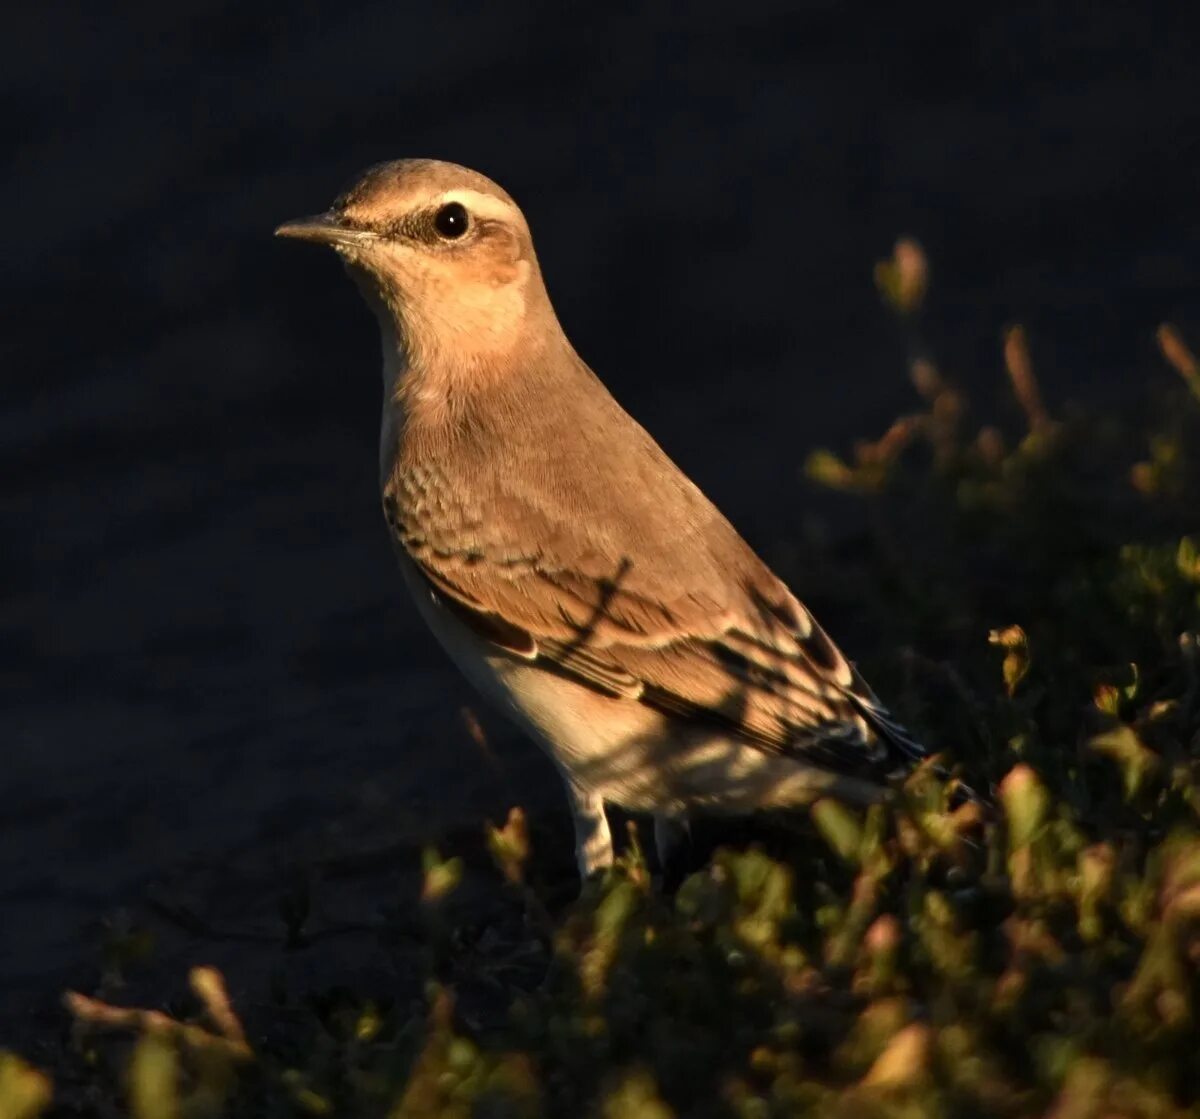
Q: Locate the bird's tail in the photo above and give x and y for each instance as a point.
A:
(906, 752)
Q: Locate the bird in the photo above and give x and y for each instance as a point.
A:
(579, 579)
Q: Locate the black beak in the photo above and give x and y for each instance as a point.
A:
(325, 229)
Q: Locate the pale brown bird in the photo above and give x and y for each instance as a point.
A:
(579, 579)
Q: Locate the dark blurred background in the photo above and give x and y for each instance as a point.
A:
(207, 654)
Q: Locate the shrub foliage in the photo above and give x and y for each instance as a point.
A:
(1031, 952)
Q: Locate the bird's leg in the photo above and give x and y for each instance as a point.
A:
(672, 834)
(593, 840)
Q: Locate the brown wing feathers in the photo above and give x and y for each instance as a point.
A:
(778, 682)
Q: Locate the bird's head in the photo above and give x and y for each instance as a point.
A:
(444, 257)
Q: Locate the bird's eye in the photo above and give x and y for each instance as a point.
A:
(451, 220)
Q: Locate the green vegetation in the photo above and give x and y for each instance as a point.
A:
(1037, 607)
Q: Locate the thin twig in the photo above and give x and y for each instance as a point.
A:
(209, 986)
(98, 1013)
(1176, 351)
(1024, 382)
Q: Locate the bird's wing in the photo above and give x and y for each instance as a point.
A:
(714, 638)
(594, 554)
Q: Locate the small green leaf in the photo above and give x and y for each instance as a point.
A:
(839, 827)
(1017, 657)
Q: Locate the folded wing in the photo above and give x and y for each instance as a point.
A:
(748, 659)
